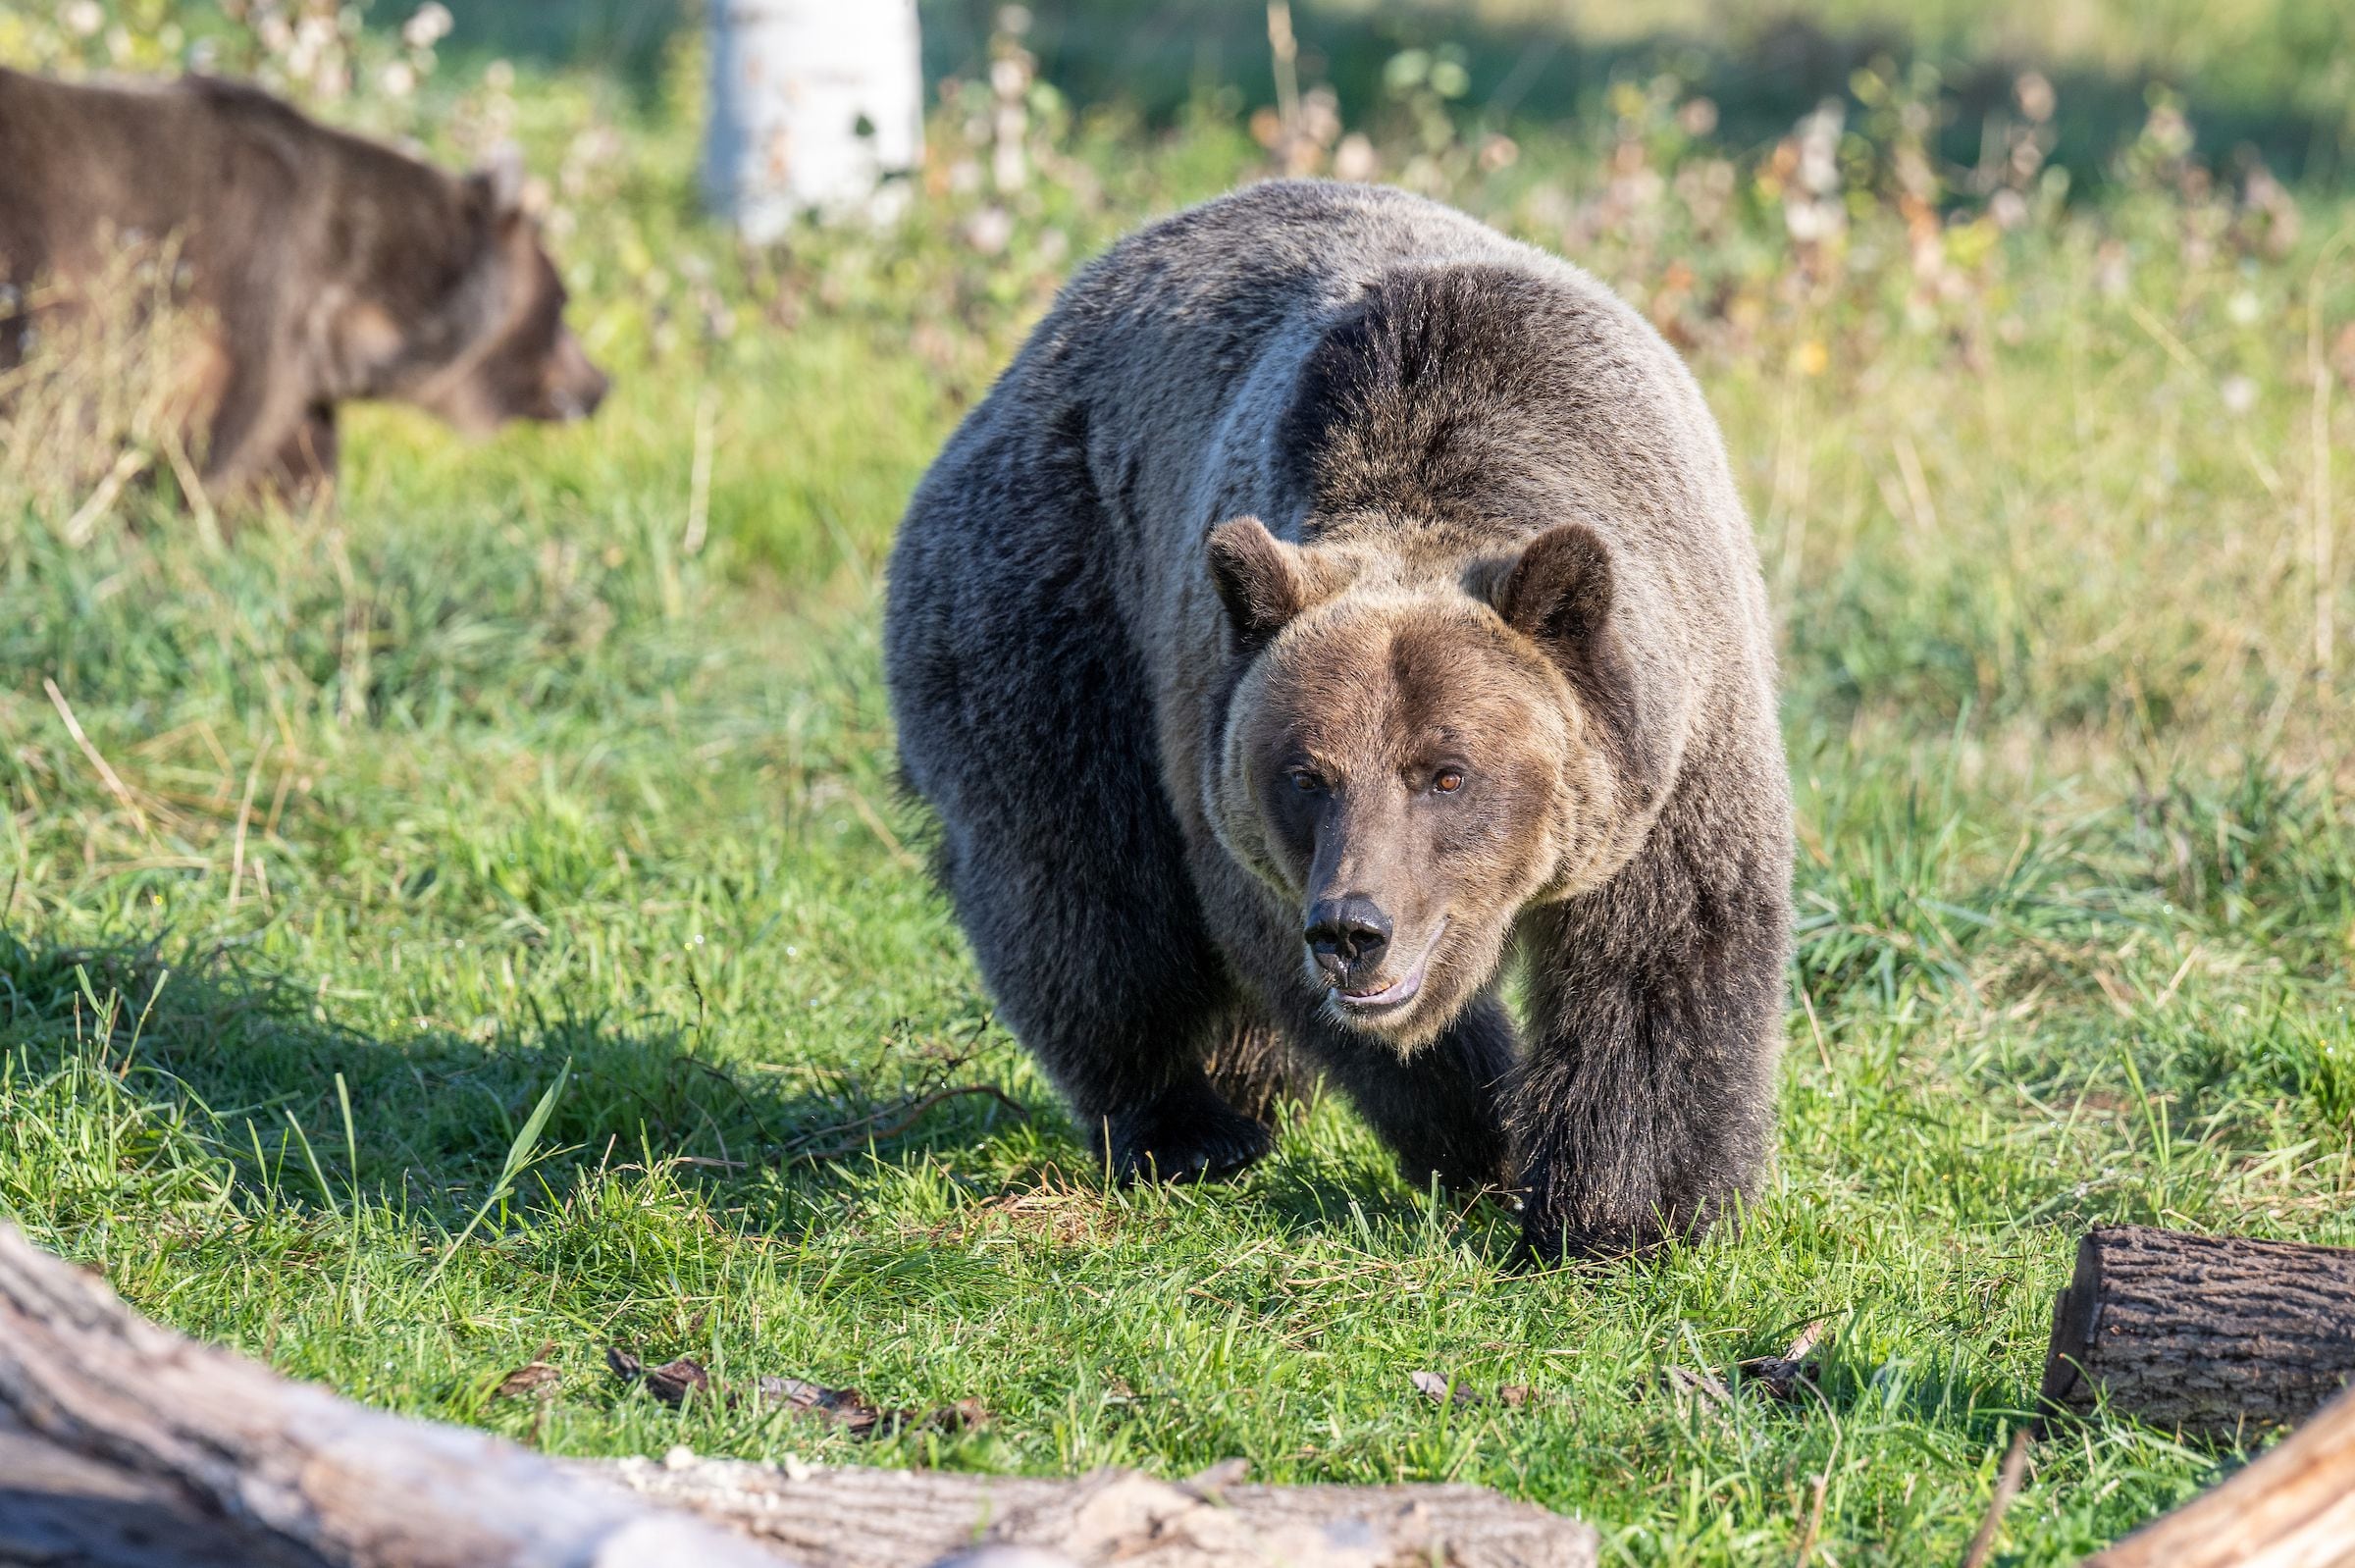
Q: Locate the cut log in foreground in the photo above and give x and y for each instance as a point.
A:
(2292, 1508)
(124, 1446)
(2217, 1336)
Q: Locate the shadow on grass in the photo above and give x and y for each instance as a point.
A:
(244, 1068)
(152, 1080)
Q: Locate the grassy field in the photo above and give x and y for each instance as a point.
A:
(491, 933)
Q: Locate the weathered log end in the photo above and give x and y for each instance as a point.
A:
(2072, 1334)
(2220, 1337)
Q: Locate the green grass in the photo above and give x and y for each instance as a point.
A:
(488, 796)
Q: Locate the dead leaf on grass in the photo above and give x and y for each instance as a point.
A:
(669, 1383)
(1444, 1391)
(1440, 1390)
(537, 1373)
(532, 1375)
(1684, 1379)
(1783, 1377)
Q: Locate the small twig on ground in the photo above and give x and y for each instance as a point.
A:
(909, 1114)
(699, 475)
(191, 490)
(882, 831)
(113, 780)
(237, 854)
(2006, 1486)
(1806, 1537)
(85, 521)
(1814, 1027)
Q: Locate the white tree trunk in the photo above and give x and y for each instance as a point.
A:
(812, 103)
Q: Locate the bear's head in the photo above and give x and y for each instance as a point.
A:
(468, 323)
(1411, 764)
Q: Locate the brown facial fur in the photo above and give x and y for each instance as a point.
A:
(325, 267)
(1334, 777)
(517, 359)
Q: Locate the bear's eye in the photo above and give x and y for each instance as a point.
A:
(1306, 782)
(1448, 781)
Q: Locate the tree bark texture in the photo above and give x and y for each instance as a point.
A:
(911, 1519)
(2215, 1337)
(190, 1438)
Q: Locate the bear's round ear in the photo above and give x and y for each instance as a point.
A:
(1559, 590)
(1261, 580)
(498, 182)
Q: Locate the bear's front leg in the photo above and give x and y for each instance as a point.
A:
(1185, 1132)
(1440, 1108)
(1646, 1106)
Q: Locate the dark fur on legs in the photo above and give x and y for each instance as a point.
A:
(1440, 1108)
(1184, 1133)
(1254, 1067)
(1644, 1109)
(1093, 942)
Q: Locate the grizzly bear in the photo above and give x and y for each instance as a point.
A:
(320, 266)
(1333, 600)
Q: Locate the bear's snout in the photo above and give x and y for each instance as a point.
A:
(1347, 937)
(574, 383)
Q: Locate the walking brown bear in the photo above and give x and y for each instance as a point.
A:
(321, 266)
(1333, 598)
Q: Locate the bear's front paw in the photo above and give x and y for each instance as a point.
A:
(1587, 1233)
(1545, 1246)
(1188, 1134)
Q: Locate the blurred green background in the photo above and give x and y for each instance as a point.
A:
(2277, 76)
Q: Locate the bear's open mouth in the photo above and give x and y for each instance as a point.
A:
(1399, 992)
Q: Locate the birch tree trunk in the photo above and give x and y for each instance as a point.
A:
(812, 103)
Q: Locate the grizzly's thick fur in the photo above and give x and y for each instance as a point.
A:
(1333, 598)
(321, 266)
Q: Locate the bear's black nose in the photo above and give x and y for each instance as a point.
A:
(1348, 935)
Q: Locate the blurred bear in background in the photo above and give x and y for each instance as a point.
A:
(317, 265)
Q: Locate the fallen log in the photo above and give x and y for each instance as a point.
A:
(124, 1446)
(214, 1459)
(912, 1519)
(2220, 1337)
(2293, 1508)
